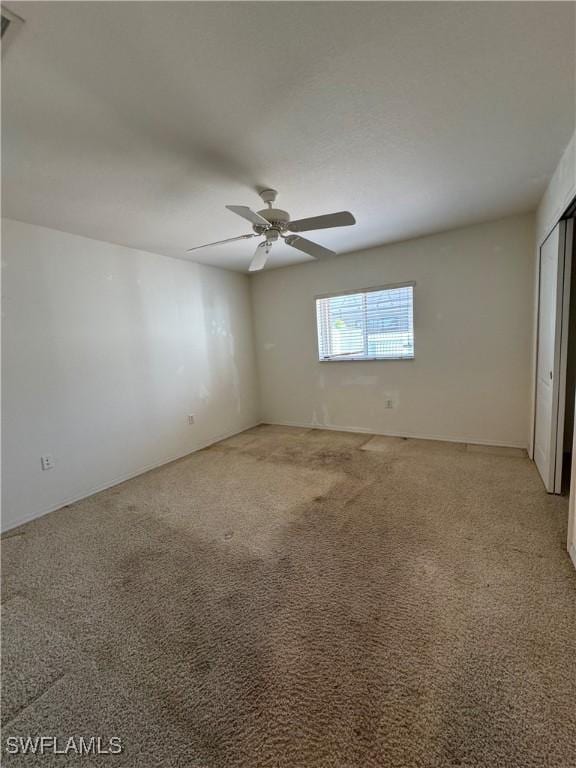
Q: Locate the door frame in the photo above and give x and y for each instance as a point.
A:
(565, 241)
(564, 331)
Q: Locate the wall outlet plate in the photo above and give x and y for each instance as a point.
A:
(390, 399)
(191, 418)
(47, 461)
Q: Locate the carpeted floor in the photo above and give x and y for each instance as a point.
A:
(295, 598)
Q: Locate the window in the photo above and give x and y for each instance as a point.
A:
(374, 324)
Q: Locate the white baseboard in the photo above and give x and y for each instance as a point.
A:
(123, 478)
(414, 436)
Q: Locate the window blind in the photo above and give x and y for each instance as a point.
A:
(374, 324)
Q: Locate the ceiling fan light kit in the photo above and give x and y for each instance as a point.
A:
(274, 223)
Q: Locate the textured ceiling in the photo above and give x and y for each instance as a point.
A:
(136, 123)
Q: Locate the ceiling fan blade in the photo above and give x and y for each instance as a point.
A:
(248, 214)
(260, 256)
(340, 219)
(307, 246)
(219, 242)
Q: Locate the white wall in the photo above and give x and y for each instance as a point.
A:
(470, 380)
(105, 352)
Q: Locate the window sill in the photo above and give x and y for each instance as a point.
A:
(366, 359)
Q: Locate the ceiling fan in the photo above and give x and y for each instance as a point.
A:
(273, 224)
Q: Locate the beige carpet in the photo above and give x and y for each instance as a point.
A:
(286, 598)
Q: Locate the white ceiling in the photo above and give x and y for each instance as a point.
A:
(136, 123)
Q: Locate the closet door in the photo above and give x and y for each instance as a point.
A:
(554, 295)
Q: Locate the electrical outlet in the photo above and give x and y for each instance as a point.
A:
(47, 462)
(191, 418)
(389, 399)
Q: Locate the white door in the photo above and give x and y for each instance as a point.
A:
(554, 295)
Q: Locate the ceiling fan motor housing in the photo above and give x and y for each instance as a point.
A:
(277, 218)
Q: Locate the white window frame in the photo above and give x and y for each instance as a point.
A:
(371, 289)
